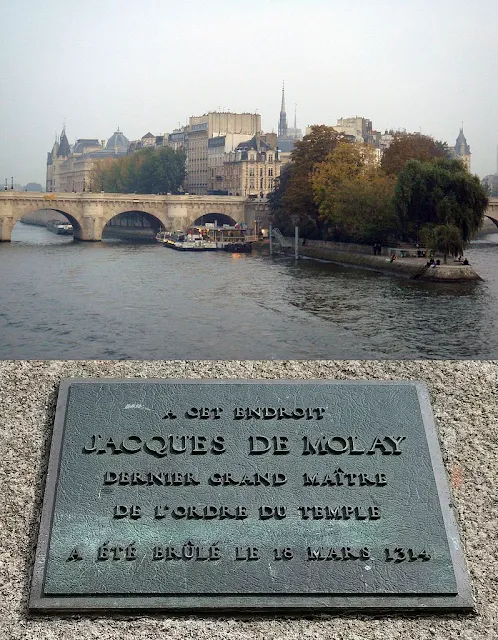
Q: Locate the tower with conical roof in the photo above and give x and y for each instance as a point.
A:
(64, 149)
(282, 123)
(461, 150)
(51, 156)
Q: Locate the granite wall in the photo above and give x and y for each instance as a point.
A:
(464, 399)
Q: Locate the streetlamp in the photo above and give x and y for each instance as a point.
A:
(12, 183)
(5, 188)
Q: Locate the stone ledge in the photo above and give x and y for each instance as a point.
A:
(404, 267)
(463, 395)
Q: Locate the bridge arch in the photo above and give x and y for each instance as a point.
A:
(32, 211)
(493, 220)
(219, 218)
(161, 219)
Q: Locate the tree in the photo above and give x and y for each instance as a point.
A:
(354, 195)
(444, 148)
(445, 238)
(280, 218)
(293, 203)
(440, 192)
(146, 171)
(411, 146)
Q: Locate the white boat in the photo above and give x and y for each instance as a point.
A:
(210, 237)
(162, 236)
(60, 228)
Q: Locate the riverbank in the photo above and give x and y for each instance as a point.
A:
(352, 255)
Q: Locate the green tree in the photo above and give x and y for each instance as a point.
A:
(280, 217)
(293, 203)
(410, 146)
(444, 148)
(354, 196)
(445, 238)
(146, 171)
(440, 192)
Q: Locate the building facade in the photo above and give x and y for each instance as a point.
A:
(177, 139)
(218, 148)
(251, 169)
(213, 125)
(148, 141)
(69, 168)
(358, 128)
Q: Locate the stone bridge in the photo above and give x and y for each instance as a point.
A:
(492, 211)
(90, 212)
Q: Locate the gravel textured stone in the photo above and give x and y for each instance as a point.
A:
(464, 398)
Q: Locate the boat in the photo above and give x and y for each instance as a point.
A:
(162, 236)
(60, 227)
(210, 237)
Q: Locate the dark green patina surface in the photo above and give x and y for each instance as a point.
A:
(246, 495)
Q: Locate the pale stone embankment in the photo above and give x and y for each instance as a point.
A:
(360, 256)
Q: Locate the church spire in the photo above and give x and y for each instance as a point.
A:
(282, 124)
(64, 150)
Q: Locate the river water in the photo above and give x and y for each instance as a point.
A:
(61, 299)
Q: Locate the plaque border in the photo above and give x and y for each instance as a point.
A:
(261, 603)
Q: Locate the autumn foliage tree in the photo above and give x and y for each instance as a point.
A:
(354, 196)
(292, 203)
(410, 146)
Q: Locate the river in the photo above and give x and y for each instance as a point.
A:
(61, 299)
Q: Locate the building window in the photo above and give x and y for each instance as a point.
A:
(261, 172)
(270, 171)
(261, 183)
(270, 157)
(251, 184)
(270, 183)
(251, 171)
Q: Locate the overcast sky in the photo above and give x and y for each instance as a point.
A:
(147, 65)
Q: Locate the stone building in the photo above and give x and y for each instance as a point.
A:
(490, 183)
(461, 150)
(252, 168)
(177, 139)
(358, 128)
(70, 168)
(148, 141)
(218, 148)
(212, 125)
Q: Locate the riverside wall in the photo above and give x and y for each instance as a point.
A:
(464, 396)
(360, 256)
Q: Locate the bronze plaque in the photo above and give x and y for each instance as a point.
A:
(241, 495)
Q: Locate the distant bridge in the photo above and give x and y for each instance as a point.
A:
(90, 212)
(492, 211)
